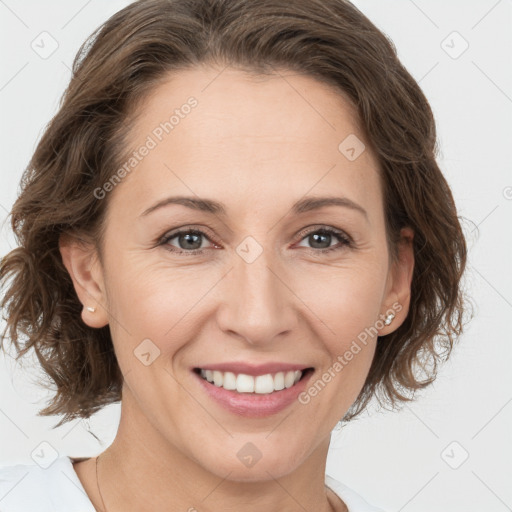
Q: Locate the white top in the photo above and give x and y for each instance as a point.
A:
(30, 488)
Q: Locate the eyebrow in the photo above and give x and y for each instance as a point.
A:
(210, 206)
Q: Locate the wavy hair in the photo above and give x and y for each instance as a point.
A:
(115, 69)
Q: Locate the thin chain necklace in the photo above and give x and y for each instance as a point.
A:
(98, 485)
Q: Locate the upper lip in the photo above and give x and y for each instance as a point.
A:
(253, 369)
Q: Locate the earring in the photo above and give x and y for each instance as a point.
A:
(389, 319)
(91, 309)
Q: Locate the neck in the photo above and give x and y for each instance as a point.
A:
(142, 471)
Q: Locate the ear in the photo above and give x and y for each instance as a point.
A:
(84, 267)
(397, 297)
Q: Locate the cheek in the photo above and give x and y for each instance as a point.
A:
(153, 301)
(350, 313)
(348, 306)
(140, 286)
(347, 300)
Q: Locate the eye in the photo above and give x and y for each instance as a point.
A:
(321, 238)
(189, 241)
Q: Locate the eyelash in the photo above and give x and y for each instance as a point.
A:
(344, 239)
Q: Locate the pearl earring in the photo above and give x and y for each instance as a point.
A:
(389, 319)
(91, 309)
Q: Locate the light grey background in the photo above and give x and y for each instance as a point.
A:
(403, 460)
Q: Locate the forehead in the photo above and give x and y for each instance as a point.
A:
(248, 138)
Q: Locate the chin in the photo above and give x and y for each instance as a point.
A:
(254, 461)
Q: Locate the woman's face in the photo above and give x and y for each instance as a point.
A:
(257, 281)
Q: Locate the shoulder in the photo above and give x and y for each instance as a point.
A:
(55, 488)
(353, 500)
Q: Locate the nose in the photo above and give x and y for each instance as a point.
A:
(258, 302)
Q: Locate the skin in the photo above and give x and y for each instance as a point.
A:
(257, 146)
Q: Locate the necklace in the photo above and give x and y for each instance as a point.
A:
(98, 485)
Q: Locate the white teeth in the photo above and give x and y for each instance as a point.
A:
(217, 378)
(262, 384)
(229, 381)
(289, 379)
(244, 383)
(279, 381)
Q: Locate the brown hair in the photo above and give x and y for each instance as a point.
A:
(330, 40)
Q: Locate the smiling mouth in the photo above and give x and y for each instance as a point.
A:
(262, 384)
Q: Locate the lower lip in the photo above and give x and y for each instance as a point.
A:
(254, 405)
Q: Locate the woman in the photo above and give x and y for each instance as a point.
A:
(235, 225)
